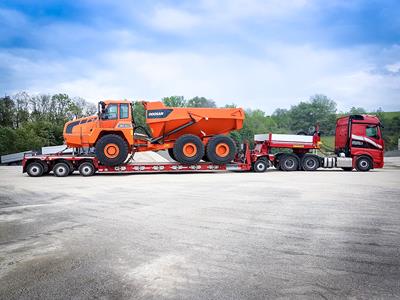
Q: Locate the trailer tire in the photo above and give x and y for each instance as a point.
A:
(363, 164)
(35, 169)
(86, 169)
(289, 162)
(261, 165)
(188, 149)
(111, 150)
(61, 169)
(221, 149)
(310, 162)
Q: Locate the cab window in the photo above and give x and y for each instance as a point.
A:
(372, 131)
(123, 111)
(111, 112)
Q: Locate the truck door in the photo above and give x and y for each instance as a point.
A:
(367, 139)
(109, 118)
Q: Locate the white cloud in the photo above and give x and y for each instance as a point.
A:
(172, 20)
(282, 76)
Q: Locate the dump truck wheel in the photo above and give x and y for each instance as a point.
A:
(61, 169)
(310, 162)
(221, 149)
(171, 153)
(289, 162)
(363, 164)
(87, 169)
(111, 150)
(188, 149)
(35, 169)
(261, 165)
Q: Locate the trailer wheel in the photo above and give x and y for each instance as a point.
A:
(35, 169)
(111, 150)
(363, 164)
(221, 149)
(171, 153)
(261, 165)
(310, 162)
(289, 162)
(61, 169)
(87, 169)
(188, 149)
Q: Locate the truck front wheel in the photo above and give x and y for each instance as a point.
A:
(363, 164)
(111, 150)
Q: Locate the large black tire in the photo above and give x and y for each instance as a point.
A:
(364, 164)
(261, 165)
(61, 169)
(289, 162)
(111, 150)
(87, 169)
(171, 153)
(221, 149)
(188, 149)
(35, 169)
(310, 162)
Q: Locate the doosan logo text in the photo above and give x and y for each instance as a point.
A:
(157, 113)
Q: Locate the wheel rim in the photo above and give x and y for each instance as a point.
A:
(35, 170)
(310, 163)
(364, 164)
(260, 167)
(86, 170)
(61, 170)
(189, 149)
(111, 150)
(222, 149)
(289, 163)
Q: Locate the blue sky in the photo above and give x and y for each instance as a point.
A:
(257, 54)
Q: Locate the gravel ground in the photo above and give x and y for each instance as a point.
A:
(326, 234)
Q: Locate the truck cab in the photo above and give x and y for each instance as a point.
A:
(360, 137)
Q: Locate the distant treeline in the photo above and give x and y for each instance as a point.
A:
(30, 122)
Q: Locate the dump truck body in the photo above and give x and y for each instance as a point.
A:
(196, 130)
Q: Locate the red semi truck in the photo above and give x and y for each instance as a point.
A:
(358, 145)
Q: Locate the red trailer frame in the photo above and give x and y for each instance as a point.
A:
(242, 162)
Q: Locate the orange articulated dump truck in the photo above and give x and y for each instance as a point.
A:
(189, 134)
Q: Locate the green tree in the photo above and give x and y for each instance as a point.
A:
(174, 101)
(357, 111)
(201, 102)
(319, 109)
(7, 112)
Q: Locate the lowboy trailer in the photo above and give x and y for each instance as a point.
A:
(64, 165)
(358, 145)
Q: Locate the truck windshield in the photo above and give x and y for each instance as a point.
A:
(111, 112)
(372, 131)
